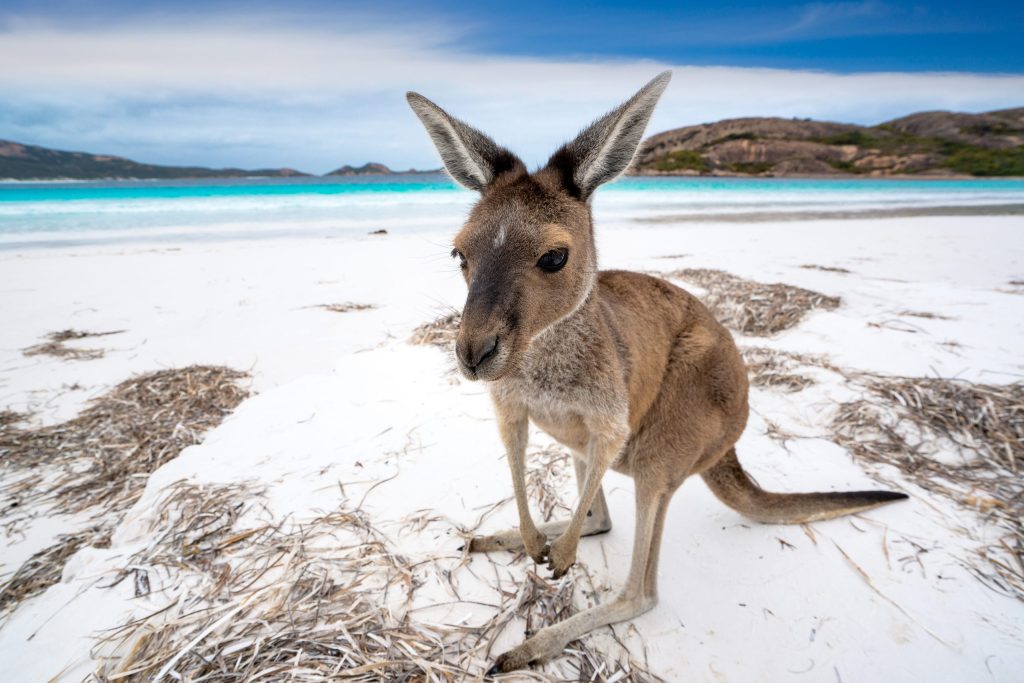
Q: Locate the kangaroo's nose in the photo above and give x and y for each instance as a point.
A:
(475, 352)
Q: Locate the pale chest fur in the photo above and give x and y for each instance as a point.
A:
(566, 385)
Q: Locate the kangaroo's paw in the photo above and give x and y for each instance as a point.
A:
(545, 645)
(562, 555)
(513, 660)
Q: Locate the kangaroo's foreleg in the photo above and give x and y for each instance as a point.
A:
(638, 595)
(602, 451)
(513, 425)
(598, 521)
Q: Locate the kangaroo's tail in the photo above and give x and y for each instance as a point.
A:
(735, 488)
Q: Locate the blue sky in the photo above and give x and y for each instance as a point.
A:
(841, 36)
(320, 84)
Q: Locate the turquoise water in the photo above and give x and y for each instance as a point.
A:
(53, 214)
(264, 187)
(243, 187)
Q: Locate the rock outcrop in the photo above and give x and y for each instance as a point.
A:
(927, 143)
(370, 168)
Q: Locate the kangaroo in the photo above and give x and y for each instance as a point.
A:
(626, 370)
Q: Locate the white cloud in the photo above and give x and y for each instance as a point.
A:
(251, 94)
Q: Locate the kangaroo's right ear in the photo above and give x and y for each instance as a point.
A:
(606, 149)
(472, 159)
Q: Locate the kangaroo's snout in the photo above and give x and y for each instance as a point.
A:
(487, 330)
(474, 353)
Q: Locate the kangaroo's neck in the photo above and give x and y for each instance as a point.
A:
(570, 368)
(565, 351)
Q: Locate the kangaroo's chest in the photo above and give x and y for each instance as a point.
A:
(564, 386)
(568, 429)
(562, 409)
(557, 407)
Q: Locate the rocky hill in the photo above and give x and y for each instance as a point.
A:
(373, 168)
(370, 168)
(29, 162)
(928, 143)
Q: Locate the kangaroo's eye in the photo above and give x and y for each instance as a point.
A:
(459, 255)
(554, 260)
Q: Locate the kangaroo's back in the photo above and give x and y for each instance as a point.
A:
(664, 333)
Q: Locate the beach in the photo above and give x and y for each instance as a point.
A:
(345, 413)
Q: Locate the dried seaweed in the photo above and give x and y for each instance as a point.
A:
(776, 432)
(909, 424)
(327, 599)
(60, 350)
(100, 460)
(9, 418)
(55, 346)
(546, 477)
(777, 369)
(45, 568)
(101, 457)
(754, 308)
(439, 332)
(897, 325)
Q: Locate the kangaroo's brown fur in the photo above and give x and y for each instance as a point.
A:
(628, 371)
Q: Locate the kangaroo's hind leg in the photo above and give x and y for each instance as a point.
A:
(637, 596)
(598, 521)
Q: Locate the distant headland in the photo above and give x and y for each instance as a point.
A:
(31, 162)
(925, 144)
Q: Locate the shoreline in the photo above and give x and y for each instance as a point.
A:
(328, 179)
(825, 176)
(1008, 209)
(235, 232)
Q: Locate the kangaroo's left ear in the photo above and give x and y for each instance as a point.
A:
(605, 150)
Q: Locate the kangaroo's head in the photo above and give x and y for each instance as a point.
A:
(527, 249)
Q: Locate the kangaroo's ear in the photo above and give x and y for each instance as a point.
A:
(606, 149)
(472, 159)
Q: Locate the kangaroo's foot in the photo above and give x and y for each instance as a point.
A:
(513, 540)
(549, 642)
(562, 554)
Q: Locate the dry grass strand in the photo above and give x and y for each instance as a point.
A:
(55, 345)
(927, 315)
(754, 308)
(347, 307)
(827, 269)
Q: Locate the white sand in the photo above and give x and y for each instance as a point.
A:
(335, 390)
